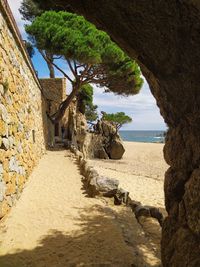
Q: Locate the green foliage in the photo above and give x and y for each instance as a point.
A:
(29, 10)
(91, 113)
(72, 37)
(85, 102)
(86, 94)
(118, 119)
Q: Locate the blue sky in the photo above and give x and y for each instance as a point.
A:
(142, 107)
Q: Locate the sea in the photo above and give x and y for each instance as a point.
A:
(143, 136)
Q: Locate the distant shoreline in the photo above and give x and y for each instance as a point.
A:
(141, 130)
(143, 142)
(144, 136)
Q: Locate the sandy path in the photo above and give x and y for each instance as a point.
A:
(55, 224)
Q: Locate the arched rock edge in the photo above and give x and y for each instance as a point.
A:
(164, 37)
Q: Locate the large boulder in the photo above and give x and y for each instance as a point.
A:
(115, 149)
(105, 185)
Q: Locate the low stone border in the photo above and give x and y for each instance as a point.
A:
(107, 187)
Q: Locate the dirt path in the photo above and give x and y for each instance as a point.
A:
(55, 224)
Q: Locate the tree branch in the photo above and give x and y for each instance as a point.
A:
(71, 68)
(49, 64)
(66, 76)
(87, 67)
(80, 66)
(59, 57)
(64, 105)
(58, 68)
(75, 67)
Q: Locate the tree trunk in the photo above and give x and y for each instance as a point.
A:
(64, 105)
(80, 104)
(50, 66)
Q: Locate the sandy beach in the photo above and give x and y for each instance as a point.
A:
(140, 171)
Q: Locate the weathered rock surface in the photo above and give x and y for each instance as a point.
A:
(145, 211)
(105, 185)
(104, 143)
(115, 149)
(164, 39)
(4, 208)
(2, 190)
(78, 130)
(101, 153)
(121, 196)
(96, 184)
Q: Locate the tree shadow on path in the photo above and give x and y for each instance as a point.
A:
(98, 241)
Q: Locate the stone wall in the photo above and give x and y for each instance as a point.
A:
(22, 116)
(54, 91)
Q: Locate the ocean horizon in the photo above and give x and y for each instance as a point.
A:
(148, 136)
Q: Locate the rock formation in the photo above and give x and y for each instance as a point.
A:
(113, 143)
(103, 142)
(163, 36)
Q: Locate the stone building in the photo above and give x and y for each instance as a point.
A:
(55, 93)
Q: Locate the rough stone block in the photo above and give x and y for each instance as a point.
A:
(1, 89)
(13, 165)
(9, 201)
(10, 188)
(3, 128)
(1, 168)
(4, 208)
(6, 177)
(2, 190)
(105, 184)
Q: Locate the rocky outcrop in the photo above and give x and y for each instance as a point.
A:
(110, 138)
(164, 39)
(77, 129)
(104, 142)
(80, 132)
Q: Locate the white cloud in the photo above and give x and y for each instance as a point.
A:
(15, 5)
(142, 108)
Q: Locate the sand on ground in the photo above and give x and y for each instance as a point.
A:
(140, 171)
(55, 224)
